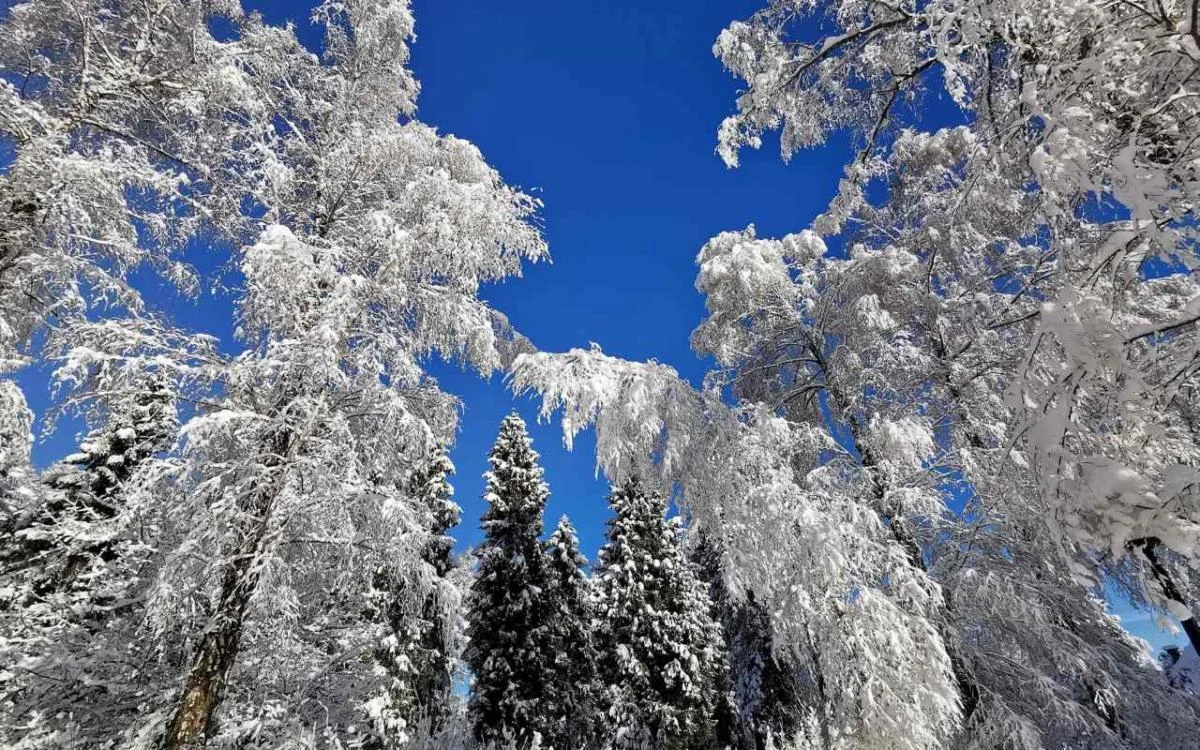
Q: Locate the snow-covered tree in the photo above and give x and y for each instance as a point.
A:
(376, 238)
(137, 425)
(850, 348)
(573, 699)
(419, 650)
(766, 699)
(1053, 669)
(123, 124)
(263, 534)
(1013, 308)
(1041, 254)
(70, 563)
(509, 608)
(65, 538)
(16, 473)
(802, 533)
(661, 654)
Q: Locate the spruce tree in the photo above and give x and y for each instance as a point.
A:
(137, 425)
(416, 653)
(764, 701)
(72, 535)
(572, 692)
(508, 608)
(73, 564)
(661, 651)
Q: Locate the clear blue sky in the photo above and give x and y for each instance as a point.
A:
(608, 109)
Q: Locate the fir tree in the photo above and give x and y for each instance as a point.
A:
(765, 702)
(661, 652)
(431, 486)
(572, 692)
(73, 566)
(508, 610)
(138, 424)
(71, 534)
(416, 654)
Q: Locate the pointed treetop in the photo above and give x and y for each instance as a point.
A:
(562, 548)
(564, 533)
(16, 422)
(515, 488)
(509, 607)
(661, 649)
(513, 430)
(430, 484)
(633, 494)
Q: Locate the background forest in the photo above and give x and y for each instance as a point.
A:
(935, 428)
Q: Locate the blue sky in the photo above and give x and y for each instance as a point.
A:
(607, 110)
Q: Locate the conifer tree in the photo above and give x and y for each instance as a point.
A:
(139, 423)
(573, 699)
(431, 487)
(661, 653)
(764, 700)
(72, 533)
(73, 562)
(417, 652)
(507, 608)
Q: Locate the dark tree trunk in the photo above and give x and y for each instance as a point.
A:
(1166, 582)
(218, 649)
(906, 537)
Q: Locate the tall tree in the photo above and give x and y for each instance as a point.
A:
(1054, 269)
(661, 652)
(376, 235)
(766, 698)
(1016, 307)
(509, 608)
(16, 472)
(418, 651)
(70, 567)
(70, 534)
(573, 699)
(127, 123)
(363, 240)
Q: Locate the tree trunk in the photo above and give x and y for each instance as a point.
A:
(1166, 582)
(906, 537)
(218, 649)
